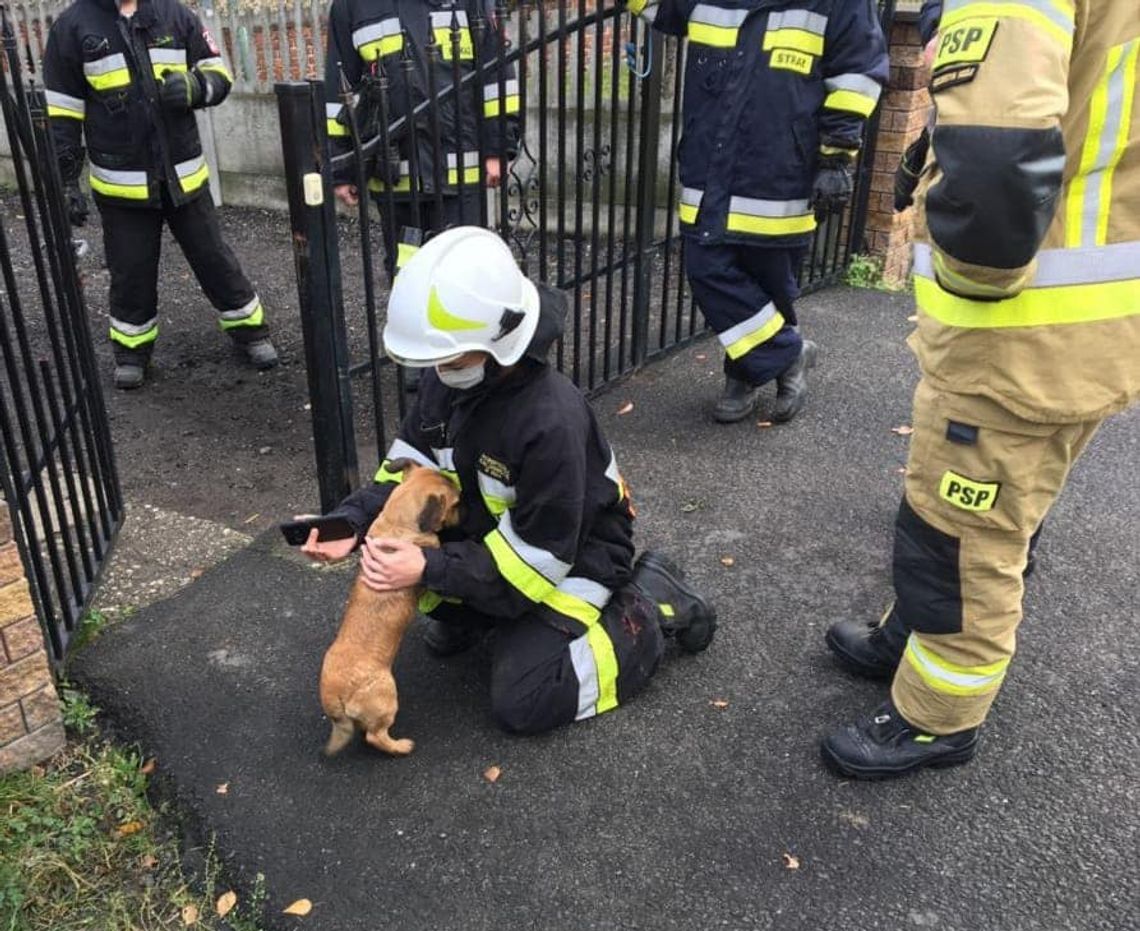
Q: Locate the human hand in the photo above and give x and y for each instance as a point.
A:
(493, 171)
(388, 565)
(347, 194)
(327, 550)
(76, 204)
(181, 91)
(833, 186)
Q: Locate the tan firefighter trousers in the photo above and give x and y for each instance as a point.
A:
(979, 482)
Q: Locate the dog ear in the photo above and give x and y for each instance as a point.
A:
(402, 465)
(431, 517)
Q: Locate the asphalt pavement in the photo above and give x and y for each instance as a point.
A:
(703, 803)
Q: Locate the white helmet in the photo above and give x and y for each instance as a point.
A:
(461, 292)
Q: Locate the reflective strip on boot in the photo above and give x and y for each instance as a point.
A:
(250, 315)
(949, 678)
(134, 335)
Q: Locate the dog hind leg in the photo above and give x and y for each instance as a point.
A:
(382, 740)
(343, 730)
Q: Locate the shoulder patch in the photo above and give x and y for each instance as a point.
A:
(953, 77)
(966, 43)
(210, 43)
(494, 468)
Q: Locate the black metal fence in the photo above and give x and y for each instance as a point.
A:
(57, 470)
(588, 205)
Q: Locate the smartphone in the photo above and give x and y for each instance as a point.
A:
(297, 532)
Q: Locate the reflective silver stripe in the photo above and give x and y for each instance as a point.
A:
(691, 196)
(542, 561)
(133, 329)
(247, 310)
(1064, 20)
(116, 62)
(493, 488)
(111, 176)
(442, 20)
(402, 450)
(587, 590)
(445, 458)
(1057, 268)
(332, 110)
(1107, 148)
(212, 64)
(65, 102)
(168, 56)
(859, 83)
(380, 30)
(470, 160)
(649, 14)
(612, 471)
(586, 669)
(491, 91)
(769, 208)
(798, 19)
(187, 168)
(757, 321)
(717, 15)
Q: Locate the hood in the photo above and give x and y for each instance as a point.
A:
(552, 310)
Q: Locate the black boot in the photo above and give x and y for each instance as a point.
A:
(883, 745)
(737, 401)
(791, 386)
(450, 639)
(870, 649)
(684, 615)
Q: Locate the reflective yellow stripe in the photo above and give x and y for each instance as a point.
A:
(687, 213)
(963, 285)
(429, 601)
(949, 678)
(1079, 303)
(194, 181)
(851, 102)
(1056, 19)
(254, 319)
(377, 186)
(770, 226)
(750, 341)
(716, 36)
(139, 339)
(837, 150)
(383, 475)
(124, 191)
(515, 570)
(64, 112)
(388, 45)
(491, 107)
(444, 41)
(1122, 138)
(404, 252)
(336, 127)
(798, 40)
(606, 661)
(573, 607)
(217, 69)
(112, 79)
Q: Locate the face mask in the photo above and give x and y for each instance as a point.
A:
(461, 379)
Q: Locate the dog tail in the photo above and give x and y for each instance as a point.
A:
(343, 730)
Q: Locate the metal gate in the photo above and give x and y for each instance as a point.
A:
(57, 471)
(588, 206)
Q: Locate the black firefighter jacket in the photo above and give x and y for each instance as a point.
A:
(546, 520)
(770, 86)
(102, 74)
(371, 40)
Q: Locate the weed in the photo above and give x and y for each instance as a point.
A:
(92, 624)
(78, 712)
(865, 271)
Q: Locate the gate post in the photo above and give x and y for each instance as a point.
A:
(650, 126)
(312, 214)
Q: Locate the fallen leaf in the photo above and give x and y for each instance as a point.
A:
(197, 573)
(301, 907)
(129, 828)
(189, 915)
(854, 818)
(223, 789)
(226, 903)
(251, 518)
(904, 430)
(689, 506)
(701, 356)
(626, 407)
(791, 861)
(913, 318)
(492, 773)
(764, 423)
(148, 768)
(149, 862)
(727, 561)
(718, 703)
(901, 470)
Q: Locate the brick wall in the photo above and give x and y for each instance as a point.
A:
(905, 108)
(30, 725)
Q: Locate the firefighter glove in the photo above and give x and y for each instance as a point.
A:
(910, 167)
(181, 91)
(76, 204)
(833, 185)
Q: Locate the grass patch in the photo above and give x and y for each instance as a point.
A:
(83, 849)
(865, 271)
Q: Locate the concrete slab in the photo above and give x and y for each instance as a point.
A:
(672, 813)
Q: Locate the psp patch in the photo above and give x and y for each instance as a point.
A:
(967, 43)
(967, 494)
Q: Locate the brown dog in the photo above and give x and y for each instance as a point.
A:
(357, 686)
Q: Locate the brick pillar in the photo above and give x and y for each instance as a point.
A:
(31, 728)
(906, 106)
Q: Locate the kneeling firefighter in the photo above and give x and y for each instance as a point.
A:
(544, 551)
(776, 95)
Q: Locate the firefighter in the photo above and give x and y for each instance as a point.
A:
(127, 79)
(776, 95)
(544, 552)
(1027, 279)
(370, 41)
